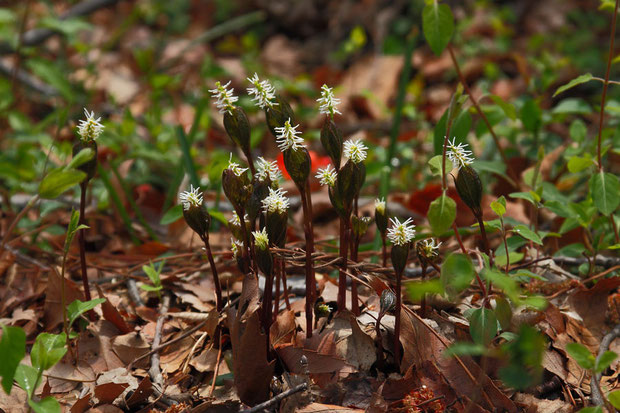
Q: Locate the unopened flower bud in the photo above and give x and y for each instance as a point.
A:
(194, 211)
(469, 188)
(238, 127)
(260, 191)
(399, 254)
(261, 250)
(297, 163)
(331, 139)
(349, 182)
(89, 167)
(381, 215)
(387, 301)
(236, 188)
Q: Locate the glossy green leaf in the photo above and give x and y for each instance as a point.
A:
(614, 398)
(48, 349)
(437, 25)
(576, 81)
(435, 164)
(483, 325)
(531, 115)
(499, 206)
(605, 191)
(47, 405)
(26, 377)
(12, 351)
(58, 181)
(581, 354)
(81, 158)
(441, 214)
(528, 234)
(77, 308)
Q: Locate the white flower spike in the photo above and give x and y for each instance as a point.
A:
(459, 154)
(327, 176)
(224, 97)
(264, 93)
(235, 247)
(233, 166)
(275, 201)
(234, 220)
(288, 137)
(266, 169)
(192, 199)
(328, 102)
(401, 233)
(261, 239)
(430, 248)
(355, 150)
(380, 205)
(90, 129)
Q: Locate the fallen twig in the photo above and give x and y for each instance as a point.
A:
(265, 405)
(597, 395)
(155, 370)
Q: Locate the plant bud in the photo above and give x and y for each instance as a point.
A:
(275, 223)
(277, 114)
(236, 188)
(387, 302)
(260, 190)
(349, 182)
(331, 139)
(469, 188)
(399, 254)
(264, 259)
(238, 127)
(360, 225)
(297, 163)
(89, 167)
(381, 218)
(198, 219)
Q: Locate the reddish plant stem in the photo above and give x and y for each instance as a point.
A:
(87, 296)
(384, 249)
(267, 302)
(355, 306)
(423, 301)
(397, 321)
(458, 238)
(485, 240)
(342, 274)
(284, 286)
(444, 173)
(310, 282)
(474, 102)
(276, 301)
(216, 278)
(605, 84)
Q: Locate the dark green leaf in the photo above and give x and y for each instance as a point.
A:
(576, 81)
(77, 308)
(58, 181)
(605, 191)
(48, 349)
(483, 325)
(172, 215)
(438, 26)
(441, 214)
(531, 115)
(457, 272)
(12, 351)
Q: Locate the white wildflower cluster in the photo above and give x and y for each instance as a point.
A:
(355, 150)
(380, 205)
(328, 101)
(275, 201)
(288, 137)
(235, 247)
(191, 198)
(401, 233)
(430, 248)
(90, 129)
(235, 167)
(261, 239)
(266, 169)
(234, 220)
(459, 154)
(224, 97)
(327, 176)
(263, 91)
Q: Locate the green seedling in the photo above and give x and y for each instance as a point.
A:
(154, 276)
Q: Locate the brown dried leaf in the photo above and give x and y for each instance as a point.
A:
(108, 392)
(53, 307)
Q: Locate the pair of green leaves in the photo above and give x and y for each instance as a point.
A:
(59, 180)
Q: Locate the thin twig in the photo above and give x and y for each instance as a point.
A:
(273, 401)
(155, 370)
(597, 395)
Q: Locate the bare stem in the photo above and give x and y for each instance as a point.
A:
(310, 282)
(87, 297)
(399, 277)
(216, 278)
(344, 255)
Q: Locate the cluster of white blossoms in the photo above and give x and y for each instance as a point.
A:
(266, 169)
(234, 220)
(235, 167)
(459, 154)
(235, 246)
(328, 101)
(380, 205)
(275, 201)
(327, 176)
(261, 239)
(355, 150)
(430, 248)
(90, 129)
(264, 93)
(191, 198)
(288, 137)
(224, 97)
(401, 233)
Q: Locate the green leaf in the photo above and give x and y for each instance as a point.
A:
(58, 181)
(47, 405)
(503, 312)
(147, 287)
(579, 163)
(527, 233)
(483, 325)
(441, 214)
(581, 354)
(572, 106)
(81, 158)
(499, 206)
(578, 130)
(576, 81)
(12, 351)
(605, 191)
(591, 409)
(77, 308)
(605, 361)
(531, 115)
(614, 398)
(463, 348)
(435, 164)
(528, 196)
(72, 229)
(418, 289)
(457, 272)
(27, 377)
(508, 108)
(48, 350)
(172, 215)
(437, 25)
(459, 130)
